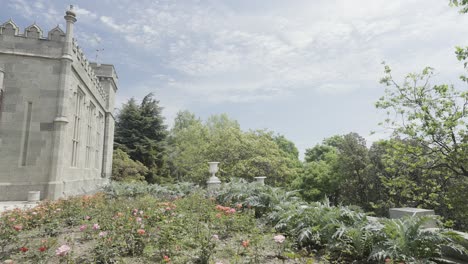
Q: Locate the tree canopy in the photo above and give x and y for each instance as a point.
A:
(433, 116)
(193, 143)
(140, 132)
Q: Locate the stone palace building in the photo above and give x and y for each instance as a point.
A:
(56, 114)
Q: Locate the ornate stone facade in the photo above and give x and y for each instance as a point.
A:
(56, 114)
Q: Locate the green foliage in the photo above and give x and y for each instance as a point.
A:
(286, 146)
(138, 189)
(238, 224)
(340, 169)
(462, 55)
(320, 179)
(427, 159)
(460, 3)
(242, 154)
(405, 240)
(126, 169)
(141, 133)
(433, 116)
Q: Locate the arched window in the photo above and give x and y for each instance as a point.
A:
(79, 99)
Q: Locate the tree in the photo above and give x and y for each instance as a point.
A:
(320, 178)
(140, 132)
(187, 143)
(242, 154)
(339, 168)
(318, 152)
(353, 166)
(433, 116)
(427, 159)
(126, 169)
(286, 146)
(460, 3)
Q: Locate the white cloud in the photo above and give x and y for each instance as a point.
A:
(109, 21)
(39, 10)
(92, 40)
(230, 53)
(84, 13)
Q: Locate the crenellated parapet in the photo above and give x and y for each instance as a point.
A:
(33, 31)
(86, 64)
(34, 42)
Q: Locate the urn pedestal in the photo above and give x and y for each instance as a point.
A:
(213, 182)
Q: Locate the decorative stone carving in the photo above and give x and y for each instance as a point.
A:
(33, 31)
(56, 34)
(9, 28)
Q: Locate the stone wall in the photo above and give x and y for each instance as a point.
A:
(41, 146)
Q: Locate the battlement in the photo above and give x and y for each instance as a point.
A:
(33, 42)
(33, 31)
(86, 64)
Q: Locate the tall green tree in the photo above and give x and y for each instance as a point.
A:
(353, 166)
(242, 154)
(140, 132)
(320, 179)
(340, 169)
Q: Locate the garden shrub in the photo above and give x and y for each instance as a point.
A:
(181, 223)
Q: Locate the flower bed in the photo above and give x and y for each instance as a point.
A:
(240, 223)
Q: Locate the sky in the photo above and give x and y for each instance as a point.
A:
(306, 69)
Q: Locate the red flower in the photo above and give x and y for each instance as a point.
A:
(167, 259)
(245, 243)
(18, 227)
(24, 249)
(141, 231)
(42, 249)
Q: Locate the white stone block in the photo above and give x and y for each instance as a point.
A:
(34, 196)
(408, 212)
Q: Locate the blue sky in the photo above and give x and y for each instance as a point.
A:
(304, 69)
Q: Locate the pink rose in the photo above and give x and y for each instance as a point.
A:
(279, 239)
(62, 250)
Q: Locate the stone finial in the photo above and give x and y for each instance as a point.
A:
(70, 15)
(33, 31)
(9, 28)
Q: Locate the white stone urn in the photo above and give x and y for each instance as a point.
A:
(213, 182)
(260, 180)
(34, 196)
